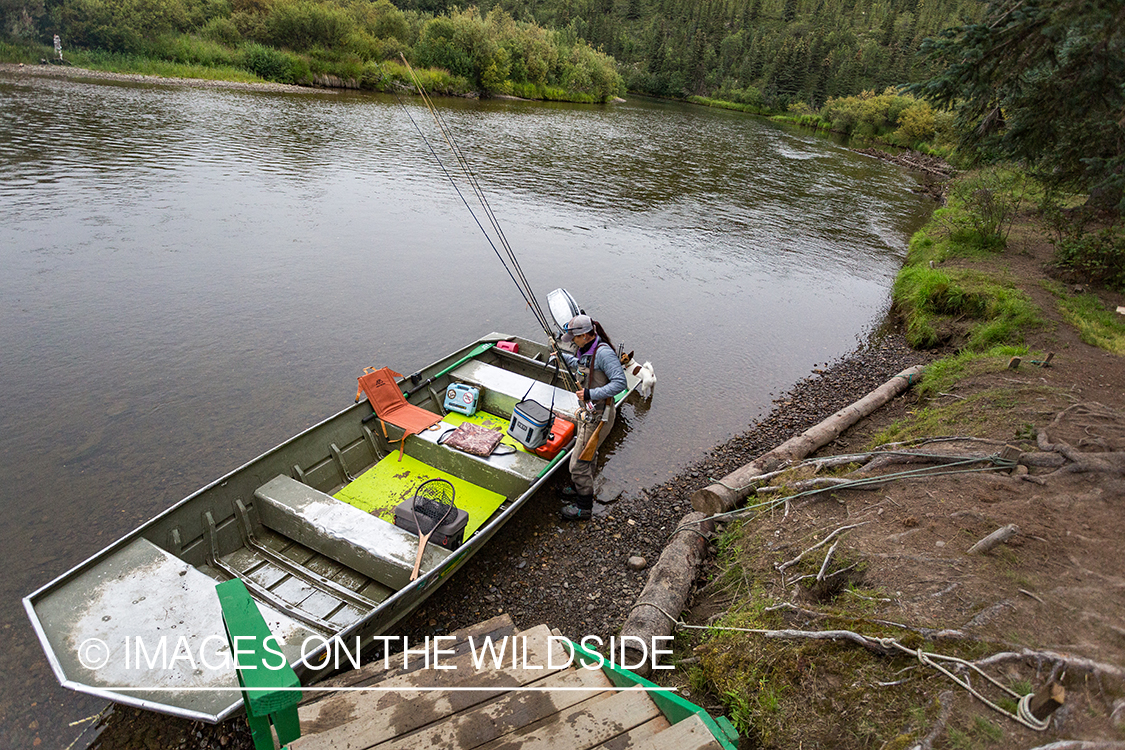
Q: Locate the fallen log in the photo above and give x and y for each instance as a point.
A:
(734, 487)
(669, 585)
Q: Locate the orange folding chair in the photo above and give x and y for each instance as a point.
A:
(391, 406)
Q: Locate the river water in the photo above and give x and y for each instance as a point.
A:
(191, 276)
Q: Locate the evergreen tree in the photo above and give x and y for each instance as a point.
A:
(1042, 81)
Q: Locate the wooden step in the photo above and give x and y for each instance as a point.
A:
(689, 734)
(586, 725)
(402, 687)
(373, 671)
(493, 707)
(445, 718)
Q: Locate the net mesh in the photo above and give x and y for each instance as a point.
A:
(431, 501)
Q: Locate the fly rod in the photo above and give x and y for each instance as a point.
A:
(511, 264)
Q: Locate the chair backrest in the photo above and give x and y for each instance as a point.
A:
(391, 406)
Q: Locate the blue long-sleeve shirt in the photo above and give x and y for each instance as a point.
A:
(605, 359)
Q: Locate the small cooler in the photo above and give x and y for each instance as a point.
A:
(530, 423)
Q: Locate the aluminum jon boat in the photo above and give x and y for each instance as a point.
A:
(308, 526)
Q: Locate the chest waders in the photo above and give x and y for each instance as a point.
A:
(582, 472)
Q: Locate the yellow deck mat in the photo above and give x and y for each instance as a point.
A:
(389, 482)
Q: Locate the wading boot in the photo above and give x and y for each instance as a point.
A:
(568, 494)
(582, 509)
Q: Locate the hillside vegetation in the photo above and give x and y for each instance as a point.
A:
(350, 43)
(766, 53)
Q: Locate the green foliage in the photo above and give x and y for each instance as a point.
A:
(290, 40)
(271, 64)
(1096, 257)
(891, 117)
(1041, 81)
(301, 25)
(19, 19)
(498, 55)
(122, 25)
(786, 50)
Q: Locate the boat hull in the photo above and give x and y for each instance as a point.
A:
(305, 526)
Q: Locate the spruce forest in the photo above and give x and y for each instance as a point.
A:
(764, 53)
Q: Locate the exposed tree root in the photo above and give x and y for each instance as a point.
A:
(946, 702)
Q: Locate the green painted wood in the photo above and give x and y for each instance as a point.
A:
(674, 708)
(266, 679)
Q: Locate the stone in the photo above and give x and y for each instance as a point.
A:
(636, 562)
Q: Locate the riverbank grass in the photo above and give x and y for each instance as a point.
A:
(1096, 324)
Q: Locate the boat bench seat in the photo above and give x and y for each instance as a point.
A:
(504, 472)
(363, 542)
(502, 389)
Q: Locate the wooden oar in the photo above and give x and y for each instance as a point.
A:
(591, 448)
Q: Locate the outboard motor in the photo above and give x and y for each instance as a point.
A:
(563, 307)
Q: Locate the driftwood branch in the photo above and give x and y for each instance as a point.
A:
(929, 634)
(1082, 745)
(781, 568)
(815, 483)
(734, 487)
(1070, 662)
(871, 644)
(827, 558)
(995, 539)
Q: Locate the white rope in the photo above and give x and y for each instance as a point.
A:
(1023, 713)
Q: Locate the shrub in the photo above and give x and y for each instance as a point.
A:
(302, 24)
(990, 200)
(192, 50)
(121, 26)
(1094, 257)
(222, 30)
(269, 63)
(916, 123)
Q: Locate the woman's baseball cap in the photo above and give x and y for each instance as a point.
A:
(578, 325)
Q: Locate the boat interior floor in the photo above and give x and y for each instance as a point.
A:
(320, 592)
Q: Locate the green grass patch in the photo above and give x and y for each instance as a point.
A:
(115, 62)
(943, 375)
(985, 413)
(23, 52)
(752, 108)
(1097, 325)
(961, 307)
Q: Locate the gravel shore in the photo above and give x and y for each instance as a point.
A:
(575, 577)
(68, 71)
